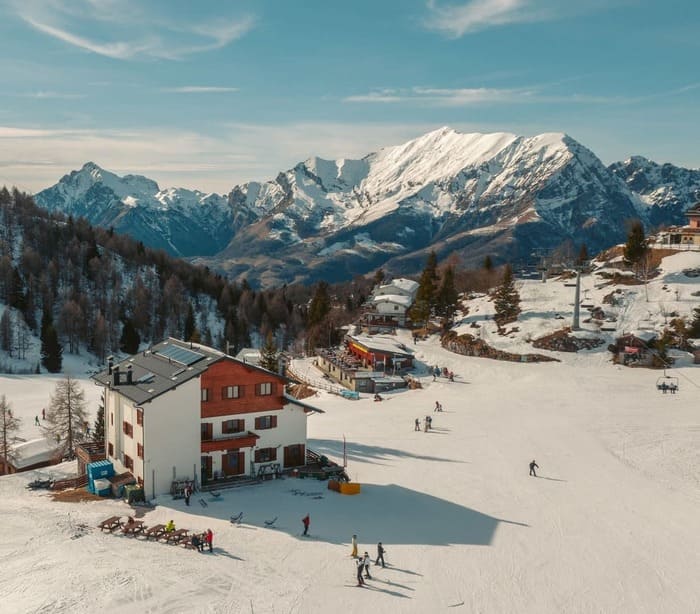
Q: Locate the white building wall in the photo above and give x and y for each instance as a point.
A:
(387, 308)
(172, 438)
(290, 429)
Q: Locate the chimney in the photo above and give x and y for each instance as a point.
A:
(115, 372)
(110, 364)
(129, 376)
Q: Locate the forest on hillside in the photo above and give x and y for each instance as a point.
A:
(72, 287)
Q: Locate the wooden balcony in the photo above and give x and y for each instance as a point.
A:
(229, 442)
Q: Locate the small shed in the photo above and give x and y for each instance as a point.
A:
(634, 349)
(33, 454)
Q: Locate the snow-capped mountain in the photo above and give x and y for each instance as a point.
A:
(471, 195)
(667, 190)
(182, 222)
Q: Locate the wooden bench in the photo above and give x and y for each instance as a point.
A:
(133, 528)
(112, 523)
(175, 537)
(155, 532)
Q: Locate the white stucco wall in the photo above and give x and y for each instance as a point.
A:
(172, 440)
(290, 429)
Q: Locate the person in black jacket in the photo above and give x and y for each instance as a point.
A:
(533, 464)
(380, 555)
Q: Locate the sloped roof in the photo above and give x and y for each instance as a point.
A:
(31, 452)
(399, 299)
(165, 366)
(382, 343)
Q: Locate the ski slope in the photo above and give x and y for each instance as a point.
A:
(610, 525)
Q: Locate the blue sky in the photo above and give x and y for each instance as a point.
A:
(211, 93)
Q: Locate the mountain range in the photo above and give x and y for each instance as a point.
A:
(468, 195)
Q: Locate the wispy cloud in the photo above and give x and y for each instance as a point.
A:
(445, 97)
(52, 95)
(199, 89)
(124, 30)
(456, 20)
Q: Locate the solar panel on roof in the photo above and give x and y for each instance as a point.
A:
(181, 355)
(146, 379)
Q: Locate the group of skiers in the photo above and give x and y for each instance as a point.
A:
(203, 539)
(363, 562)
(427, 424)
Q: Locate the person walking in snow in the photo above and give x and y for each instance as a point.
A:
(380, 554)
(306, 521)
(360, 567)
(353, 554)
(365, 564)
(43, 413)
(188, 494)
(417, 427)
(533, 464)
(209, 538)
(36, 421)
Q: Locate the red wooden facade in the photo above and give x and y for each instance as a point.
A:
(234, 388)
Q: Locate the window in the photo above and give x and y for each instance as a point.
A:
(139, 450)
(232, 426)
(110, 450)
(128, 429)
(207, 431)
(205, 395)
(139, 417)
(128, 462)
(230, 392)
(265, 455)
(264, 389)
(111, 418)
(266, 422)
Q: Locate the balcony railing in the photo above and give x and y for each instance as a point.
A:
(230, 441)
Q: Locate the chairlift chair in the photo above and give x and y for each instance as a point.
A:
(667, 384)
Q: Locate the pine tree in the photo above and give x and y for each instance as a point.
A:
(269, 357)
(51, 349)
(130, 340)
(65, 416)
(98, 429)
(426, 293)
(636, 247)
(320, 304)
(694, 326)
(447, 294)
(506, 299)
(190, 329)
(9, 425)
(488, 264)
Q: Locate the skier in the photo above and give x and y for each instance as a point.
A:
(417, 427)
(365, 564)
(429, 420)
(533, 464)
(353, 554)
(188, 494)
(43, 413)
(306, 521)
(210, 540)
(380, 554)
(36, 421)
(360, 567)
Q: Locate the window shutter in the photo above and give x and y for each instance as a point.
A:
(273, 421)
(240, 426)
(257, 423)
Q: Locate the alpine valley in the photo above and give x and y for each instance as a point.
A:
(470, 195)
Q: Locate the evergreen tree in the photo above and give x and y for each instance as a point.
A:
(320, 304)
(98, 429)
(130, 339)
(9, 425)
(51, 349)
(426, 294)
(447, 294)
(65, 416)
(694, 327)
(190, 330)
(488, 264)
(506, 299)
(269, 357)
(636, 247)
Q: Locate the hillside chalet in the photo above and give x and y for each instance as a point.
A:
(389, 303)
(186, 411)
(687, 236)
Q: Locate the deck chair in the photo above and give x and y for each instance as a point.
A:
(270, 523)
(237, 518)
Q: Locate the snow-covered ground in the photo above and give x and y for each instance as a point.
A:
(610, 525)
